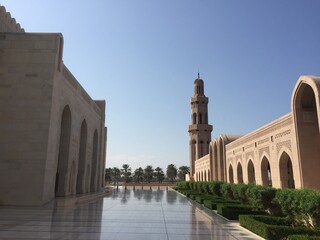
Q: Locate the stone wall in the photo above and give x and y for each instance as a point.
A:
(202, 166)
(35, 91)
(257, 157)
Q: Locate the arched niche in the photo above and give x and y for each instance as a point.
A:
(61, 188)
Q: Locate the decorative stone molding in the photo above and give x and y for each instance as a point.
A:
(287, 144)
(8, 23)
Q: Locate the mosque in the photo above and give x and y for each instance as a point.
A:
(284, 153)
(52, 133)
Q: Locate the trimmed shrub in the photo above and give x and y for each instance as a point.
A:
(212, 203)
(215, 188)
(201, 198)
(226, 190)
(273, 228)
(193, 185)
(204, 187)
(240, 192)
(301, 206)
(232, 212)
(182, 185)
(303, 237)
(261, 198)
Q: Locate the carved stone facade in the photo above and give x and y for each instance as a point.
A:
(284, 153)
(52, 134)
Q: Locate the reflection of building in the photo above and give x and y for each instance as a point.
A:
(52, 134)
(284, 153)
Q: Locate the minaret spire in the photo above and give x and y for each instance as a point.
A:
(199, 129)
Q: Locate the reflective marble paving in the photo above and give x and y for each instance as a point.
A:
(130, 215)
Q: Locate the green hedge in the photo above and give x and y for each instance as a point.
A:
(212, 203)
(201, 198)
(261, 198)
(273, 228)
(303, 237)
(302, 206)
(226, 190)
(232, 212)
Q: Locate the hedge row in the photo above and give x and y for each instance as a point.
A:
(302, 207)
(273, 228)
(232, 212)
(303, 237)
(211, 195)
(260, 198)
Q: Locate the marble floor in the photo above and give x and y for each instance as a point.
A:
(126, 214)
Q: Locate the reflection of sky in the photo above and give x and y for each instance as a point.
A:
(130, 214)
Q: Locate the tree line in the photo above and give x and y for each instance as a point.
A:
(148, 174)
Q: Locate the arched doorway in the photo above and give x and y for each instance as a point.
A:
(239, 173)
(305, 112)
(251, 173)
(266, 172)
(286, 171)
(231, 180)
(87, 189)
(61, 188)
(72, 178)
(93, 185)
(82, 158)
(215, 160)
(221, 160)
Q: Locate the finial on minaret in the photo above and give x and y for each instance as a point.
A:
(198, 75)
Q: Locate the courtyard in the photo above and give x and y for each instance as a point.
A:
(125, 214)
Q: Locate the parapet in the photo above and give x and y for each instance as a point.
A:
(8, 23)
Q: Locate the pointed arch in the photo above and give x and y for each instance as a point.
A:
(215, 160)
(239, 173)
(306, 115)
(231, 178)
(266, 176)
(82, 158)
(61, 188)
(94, 164)
(251, 172)
(194, 118)
(221, 163)
(200, 118)
(286, 171)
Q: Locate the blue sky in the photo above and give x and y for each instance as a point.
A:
(142, 56)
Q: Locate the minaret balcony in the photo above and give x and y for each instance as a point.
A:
(200, 127)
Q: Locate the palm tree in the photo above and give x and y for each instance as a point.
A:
(115, 175)
(126, 172)
(172, 172)
(159, 174)
(108, 175)
(138, 174)
(148, 173)
(183, 170)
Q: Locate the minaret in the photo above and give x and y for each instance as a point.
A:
(199, 130)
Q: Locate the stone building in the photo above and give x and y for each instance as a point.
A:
(284, 153)
(52, 134)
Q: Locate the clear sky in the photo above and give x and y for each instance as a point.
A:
(143, 56)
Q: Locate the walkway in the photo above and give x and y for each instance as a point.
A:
(128, 215)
